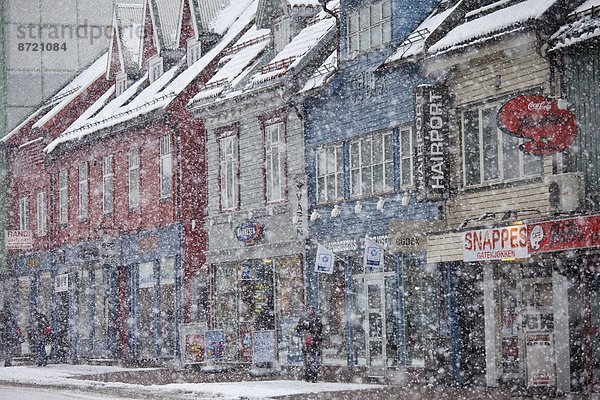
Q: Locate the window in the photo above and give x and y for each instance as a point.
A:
(330, 173)
(229, 165)
(369, 27)
(42, 224)
(407, 141)
(166, 167)
(489, 155)
(63, 198)
(24, 214)
(155, 68)
(83, 190)
(193, 51)
(107, 184)
(371, 165)
(121, 83)
(134, 178)
(275, 161)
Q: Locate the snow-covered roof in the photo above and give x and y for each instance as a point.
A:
(322, 74)
(224, 19)
(415, 42)
(492, 23)
(136, 101)
(293, 53)
(129, 21)
(584, 25)
(167, 22)
(236, 62)
(303, 3)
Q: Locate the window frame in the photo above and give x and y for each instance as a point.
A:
(337, 175)
(120, 83)
(107, 184)
(356, 30)
(166, 174)
(229, 164)
(501, 139)
(384, 163)
(410, 157)
(155, 68)
(133, 173)
(63, 197)
(42, 214)
(83, 185)
(193, 51)
(268, 148)
(24, 213)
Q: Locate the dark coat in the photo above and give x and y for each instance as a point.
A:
(9, 331)
(39, 332)
(310, 328)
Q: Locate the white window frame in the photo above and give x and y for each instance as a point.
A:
(83, 174)
(501, 139)
(407, 143)
(275, 162)
(229, 170)
(367, 167)
(63, 197)
(107, 184)
(120, 83)
(369, 27)
(133, 177)
(24, 213)
(194, 50)
(166, 167)
(330, 172)
(42, 217)
(155, 68)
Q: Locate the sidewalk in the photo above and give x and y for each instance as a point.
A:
(186, 384)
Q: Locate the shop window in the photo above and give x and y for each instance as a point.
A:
(166, 167)
(275, 159)
(22, 308)
(100, 305)
(167, 306)
(420, 313)
(332, 291)
(24, 213)
(83, 306)
(226, 302)
(83, 191)
(145, 326)
(63, 197)
(488, 154)
(359, 301)
(229, 169)
(371, 165)
(330, 173)
(369, 27)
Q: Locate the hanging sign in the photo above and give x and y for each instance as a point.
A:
(565, 234)
(432, 178)
(500, 243)
(248, 232)
(373, 256)
(324, 261)
(546, 127)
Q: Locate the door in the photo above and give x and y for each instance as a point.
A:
(375, 318)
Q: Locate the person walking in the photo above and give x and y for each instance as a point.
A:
(10, 336)
(39, 336)
(310, 329)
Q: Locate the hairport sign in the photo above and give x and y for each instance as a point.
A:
(431, 151)
(501, 243)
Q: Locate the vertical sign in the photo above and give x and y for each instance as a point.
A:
(540, 360)
(431, 154)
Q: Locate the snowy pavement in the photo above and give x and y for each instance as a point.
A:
(57, 378)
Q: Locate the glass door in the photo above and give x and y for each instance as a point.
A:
(375, 319)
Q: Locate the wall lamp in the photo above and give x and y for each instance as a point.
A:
(314, 216)
(335, 211)
(405, 199)
(380, 204)
(358, 208)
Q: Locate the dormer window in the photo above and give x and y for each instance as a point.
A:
(121, 83)
(281, 33)
(369, 27)
(155, 68)
(193, 51)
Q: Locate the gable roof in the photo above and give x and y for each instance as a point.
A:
(129, 20)
(584, 24)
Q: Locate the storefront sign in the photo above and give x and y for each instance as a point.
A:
(411, 236)
(61, 283)
(546, 127)
(540, 360)
(496, 244)
(565, 234)
(18, 240)
(215, 345)
(264, 348)
(248, 232)
(431, 127)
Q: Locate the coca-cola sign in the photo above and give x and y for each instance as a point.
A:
(546, 127)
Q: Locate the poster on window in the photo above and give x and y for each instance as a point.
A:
(264, 348)
(246, 342)
(510, 355)
(291, 343)
(215, 345)
(540, 360)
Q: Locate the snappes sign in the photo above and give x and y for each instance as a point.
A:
(496, 244)
(546, 127)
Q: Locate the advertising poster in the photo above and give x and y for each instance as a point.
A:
(510, 355)
(291, 343)
(540, 360)
(246, 342)
(215, 345)
(193, 342)
(264, 348)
